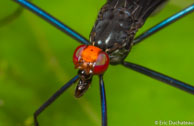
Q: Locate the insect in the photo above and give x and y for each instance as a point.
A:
(116, 53)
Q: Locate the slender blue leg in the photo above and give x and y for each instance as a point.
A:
(53, 98)
(64, 28)
(11, 17)
(103, 101)
(161, 77)
(163, 24)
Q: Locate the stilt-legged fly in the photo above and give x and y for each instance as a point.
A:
(111, 40)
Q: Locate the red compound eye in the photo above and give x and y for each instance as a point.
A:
(91, 54)
(102, 63)
(78, 52)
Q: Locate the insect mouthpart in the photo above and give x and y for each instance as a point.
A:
(83, 83)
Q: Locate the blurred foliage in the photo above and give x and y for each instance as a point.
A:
(36, 60)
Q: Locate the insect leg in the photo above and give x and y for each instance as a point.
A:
(53, 98)
(163, 24)
(161, 77)
(103, 101)
(64, 28)
(11, 17)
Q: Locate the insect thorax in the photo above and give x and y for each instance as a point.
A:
(114, 31)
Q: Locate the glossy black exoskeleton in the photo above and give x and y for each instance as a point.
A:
(114, 31)
(117, 23)
(83, 83)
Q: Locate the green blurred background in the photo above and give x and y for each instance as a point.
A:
(36, 60)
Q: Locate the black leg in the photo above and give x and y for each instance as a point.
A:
(103, 101)
(163, 24)
(53, 98)
(161, 77)
(11, 17)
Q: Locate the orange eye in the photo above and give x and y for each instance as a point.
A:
(102, 63)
